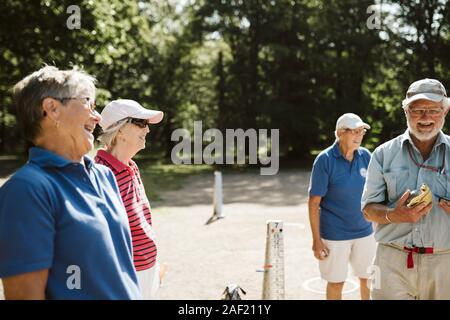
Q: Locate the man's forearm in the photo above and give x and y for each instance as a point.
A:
(378, 213)
(314, 219)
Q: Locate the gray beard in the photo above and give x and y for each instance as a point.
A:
(425, 136)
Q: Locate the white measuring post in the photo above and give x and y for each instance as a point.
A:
(217, 196)
(273, 283)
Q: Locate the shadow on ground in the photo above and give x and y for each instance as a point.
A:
(284, 189)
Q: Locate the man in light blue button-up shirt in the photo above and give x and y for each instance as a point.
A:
(413, 256)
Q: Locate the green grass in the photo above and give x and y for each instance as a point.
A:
(160, 177)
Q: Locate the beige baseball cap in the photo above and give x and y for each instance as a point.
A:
(125, 108)
(426, 89)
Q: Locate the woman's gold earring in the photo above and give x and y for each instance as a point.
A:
(57, 124)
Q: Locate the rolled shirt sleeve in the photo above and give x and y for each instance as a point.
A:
(375, 186)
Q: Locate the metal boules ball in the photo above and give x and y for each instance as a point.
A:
(423, 195)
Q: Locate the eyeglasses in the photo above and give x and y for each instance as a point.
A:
(85, 100)
(422, 111)
(357, 131)
(141, 123)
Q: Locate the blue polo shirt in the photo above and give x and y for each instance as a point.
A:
(60, 215)
(340, 183)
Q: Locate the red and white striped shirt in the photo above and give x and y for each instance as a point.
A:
(137, 206)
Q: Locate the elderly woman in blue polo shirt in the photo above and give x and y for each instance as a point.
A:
(341, 235)
(64, 233)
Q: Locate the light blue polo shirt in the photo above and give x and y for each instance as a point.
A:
(340, 183)
(60, 215)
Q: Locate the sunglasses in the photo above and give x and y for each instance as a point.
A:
(141, 123)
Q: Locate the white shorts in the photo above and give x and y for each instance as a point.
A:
(149, 282)
(360, 253)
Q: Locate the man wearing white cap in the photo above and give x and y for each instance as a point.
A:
(413, 255)
(125, 124)
(341, 235)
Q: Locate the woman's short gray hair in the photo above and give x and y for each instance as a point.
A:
(48, 81)
(108, 137)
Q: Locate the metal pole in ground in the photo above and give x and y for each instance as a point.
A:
(217, 198)
(273, 283)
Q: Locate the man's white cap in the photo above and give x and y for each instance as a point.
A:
(427, 89)
(124, 108)
(350, 121)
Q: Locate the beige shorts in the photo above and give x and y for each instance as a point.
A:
(428, 280)
(149, 282)
(359, 253)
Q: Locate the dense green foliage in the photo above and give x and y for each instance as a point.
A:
(293, 65)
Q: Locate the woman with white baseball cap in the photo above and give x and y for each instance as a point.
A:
(125, 124)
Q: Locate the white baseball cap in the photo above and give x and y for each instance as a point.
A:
(427, 89)
(124, 108)
(350, 121)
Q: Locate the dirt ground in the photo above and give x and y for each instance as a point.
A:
(203, 259)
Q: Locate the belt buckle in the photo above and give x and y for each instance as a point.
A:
(421, 250)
